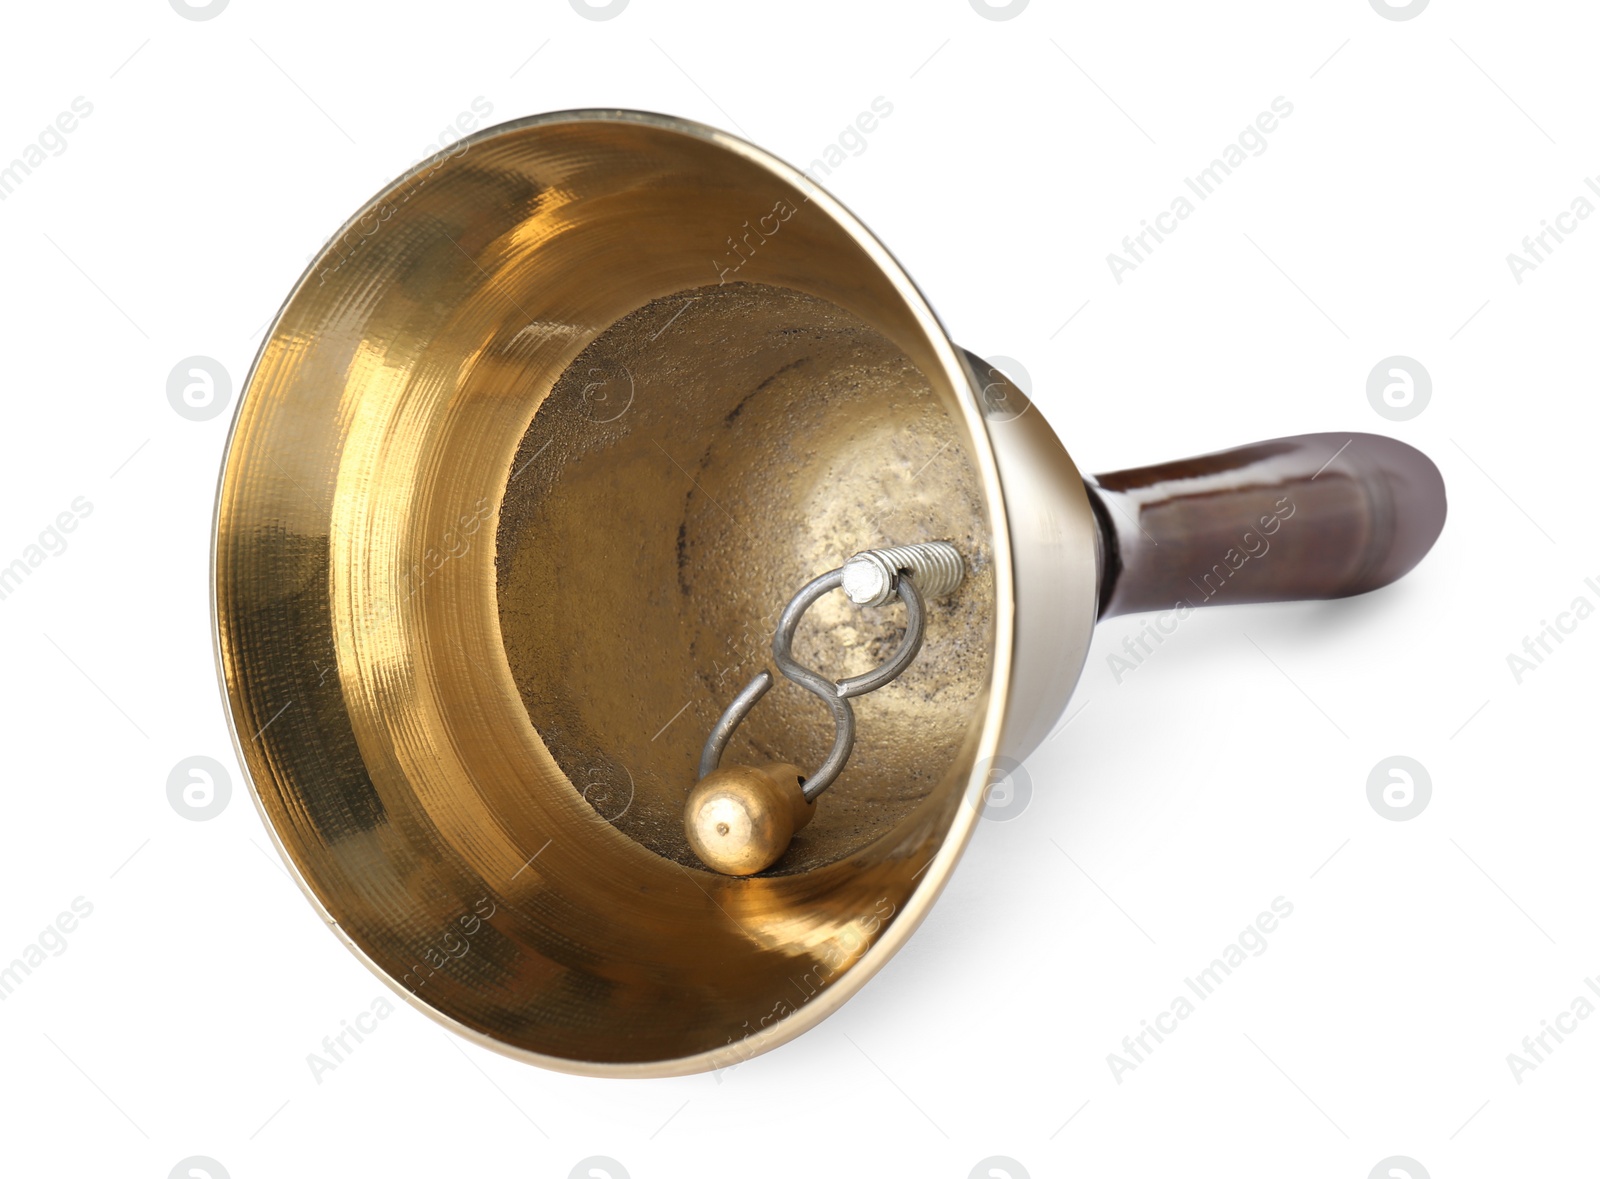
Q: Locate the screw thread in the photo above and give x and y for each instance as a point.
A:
(869, 576)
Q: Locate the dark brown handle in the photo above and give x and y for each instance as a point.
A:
(1315, 516)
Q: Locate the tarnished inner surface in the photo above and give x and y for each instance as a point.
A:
(697, 464)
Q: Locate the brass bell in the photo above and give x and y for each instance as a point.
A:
(529, 463)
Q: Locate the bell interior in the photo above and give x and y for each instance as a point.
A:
(528, 466)
(696, 465)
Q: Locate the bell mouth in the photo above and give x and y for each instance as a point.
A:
(529, 457)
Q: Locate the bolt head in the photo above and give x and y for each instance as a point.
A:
(866, 582)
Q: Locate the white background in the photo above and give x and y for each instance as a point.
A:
(1222, 773)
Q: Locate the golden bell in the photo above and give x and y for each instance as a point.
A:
(528, 463)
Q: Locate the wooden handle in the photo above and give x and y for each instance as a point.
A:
(1314, 516)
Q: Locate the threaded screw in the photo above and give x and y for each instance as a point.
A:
(869, 576)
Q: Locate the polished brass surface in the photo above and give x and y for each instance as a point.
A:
(468, 676)
(740, 819)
